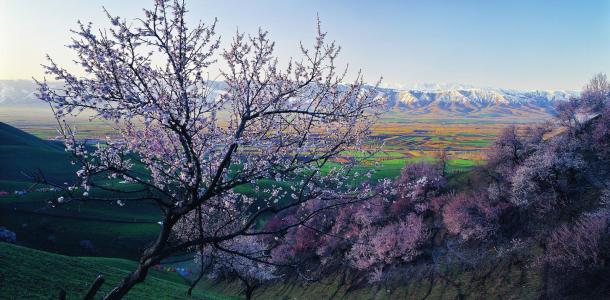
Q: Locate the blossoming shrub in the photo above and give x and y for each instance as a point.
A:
(581, 245)
(471, 216)
(576, 258)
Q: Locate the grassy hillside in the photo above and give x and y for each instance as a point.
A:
(31, 274)
(61, 229)
(21, 152)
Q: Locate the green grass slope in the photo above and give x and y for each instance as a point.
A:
(61, 229)
(21, 152)
(31, 274)
(12, 136)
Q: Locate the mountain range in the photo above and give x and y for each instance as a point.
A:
(422, 101)
(473, 102)
(18, 93)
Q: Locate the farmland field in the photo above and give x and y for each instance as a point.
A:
(405, 139)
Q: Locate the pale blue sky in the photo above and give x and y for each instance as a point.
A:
(512, 44)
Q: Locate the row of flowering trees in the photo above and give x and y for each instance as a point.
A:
(374, 236)
(549, 185)
(534, 191)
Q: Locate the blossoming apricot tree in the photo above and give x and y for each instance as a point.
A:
(188, 143)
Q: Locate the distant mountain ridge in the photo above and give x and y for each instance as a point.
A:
(18, 93)
(430, 100)
(475, 102)
(478, 95)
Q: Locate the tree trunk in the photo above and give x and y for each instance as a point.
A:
(249, 292)
(249, 287)
(128, 282)
(97, 284)
(149, 258)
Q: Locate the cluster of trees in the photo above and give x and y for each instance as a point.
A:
(380, 234)
(542, 188)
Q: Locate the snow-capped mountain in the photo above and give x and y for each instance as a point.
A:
(428, 100)
(18, 93)
(472, 102)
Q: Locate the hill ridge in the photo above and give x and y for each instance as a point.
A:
(22, 153)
